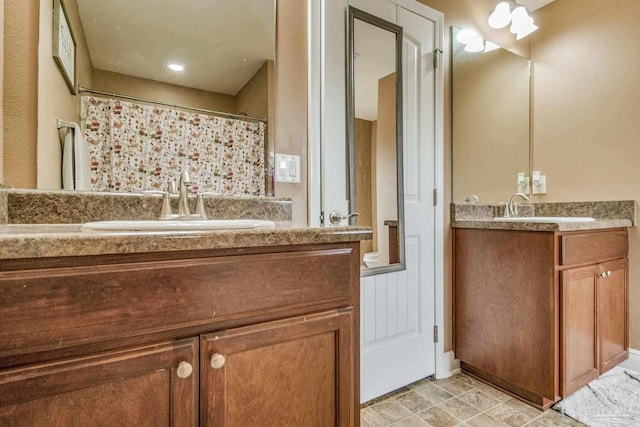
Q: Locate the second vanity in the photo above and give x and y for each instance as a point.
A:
(222, 328)
(541, 308)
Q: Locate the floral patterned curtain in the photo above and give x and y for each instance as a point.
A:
(135, 147)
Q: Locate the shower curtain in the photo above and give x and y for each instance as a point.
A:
(135, 147)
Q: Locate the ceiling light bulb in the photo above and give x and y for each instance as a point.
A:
(176, 67)
(475, 46)
(519, 18)
(467, 36)
(489, 46)
(501, 16)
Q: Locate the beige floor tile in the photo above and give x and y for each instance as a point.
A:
(418, 383)
(398, 392)
(414, 401)
(377, 400)
(493, 393)
(457, 384)
(552, 418)
(438, 417)
(523, 407)
(459, 408)
(478, 399)
(433, 393)
(410, 421)
(391, 410)
(484, 420)
(509, 413)
(370, 418)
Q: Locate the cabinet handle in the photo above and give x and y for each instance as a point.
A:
(184, 370)
(603, 274)
(608, 273)
(217, 361)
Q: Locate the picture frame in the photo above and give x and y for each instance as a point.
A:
(64, 44)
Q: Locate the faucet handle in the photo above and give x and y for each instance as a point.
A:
(165, 212)
(200, 209)
(505, 214)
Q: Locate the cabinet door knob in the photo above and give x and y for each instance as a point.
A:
(608, 273)
(217, 361)
(184, 370)
(603, 274)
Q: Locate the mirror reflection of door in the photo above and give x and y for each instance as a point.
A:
(375, 141)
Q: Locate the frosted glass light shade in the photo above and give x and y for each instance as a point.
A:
(467, 36)
(501, 15)
(489, 46)
(475, 46)
(519, 18)
(529, 28)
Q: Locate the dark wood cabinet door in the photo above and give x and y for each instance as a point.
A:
(578, 328)
(613, 311)
(294, 372)
(147, 386)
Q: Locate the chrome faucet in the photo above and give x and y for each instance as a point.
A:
(185, 184)
(472, 198)
(512, 207)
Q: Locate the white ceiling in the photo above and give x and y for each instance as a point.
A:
(534, 4)
(221, 43)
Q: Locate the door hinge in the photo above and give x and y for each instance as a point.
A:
(321, 218)
(435, 333)
(437, 58)
(435, 196)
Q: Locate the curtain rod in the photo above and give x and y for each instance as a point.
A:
(168, 104)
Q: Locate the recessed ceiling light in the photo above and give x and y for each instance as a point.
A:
(176, 67)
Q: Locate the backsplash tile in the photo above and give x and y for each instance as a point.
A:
(65, 207)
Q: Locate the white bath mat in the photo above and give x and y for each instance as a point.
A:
(611, 400)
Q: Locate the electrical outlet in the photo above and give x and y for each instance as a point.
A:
(523, 185)
(540, 187)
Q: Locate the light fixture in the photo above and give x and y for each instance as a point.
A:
(176, 67)
(489, 46)
(521, 23)
(473, 42)
(501, 16)
(475, 46)
(467, 36)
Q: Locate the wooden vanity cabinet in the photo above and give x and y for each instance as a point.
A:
(540, 314)
(263, 336)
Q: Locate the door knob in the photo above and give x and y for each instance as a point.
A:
(184, 370)
(217, 361)
(336, 217)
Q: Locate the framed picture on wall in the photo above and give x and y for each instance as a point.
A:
(64, 44)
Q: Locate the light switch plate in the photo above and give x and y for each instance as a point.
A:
(287, 168)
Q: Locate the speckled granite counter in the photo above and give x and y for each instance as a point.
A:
(609, 214)
(34, 241)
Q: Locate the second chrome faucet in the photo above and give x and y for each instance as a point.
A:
(511, 208)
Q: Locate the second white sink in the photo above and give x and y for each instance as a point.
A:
(177, 225)
(553, 219)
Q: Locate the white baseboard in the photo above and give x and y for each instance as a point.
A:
(447, 365)
(633, 362)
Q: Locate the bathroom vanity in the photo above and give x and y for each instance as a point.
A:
(540, 309)
(226, 328)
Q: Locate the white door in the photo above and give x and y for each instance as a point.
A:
(398, 309)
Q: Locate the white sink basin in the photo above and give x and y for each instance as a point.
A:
(177, 225)
(554, 219)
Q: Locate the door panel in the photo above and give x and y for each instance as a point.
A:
(398, 308)
(291, 372)
(579, 328)
(139, 387)
(612, 300)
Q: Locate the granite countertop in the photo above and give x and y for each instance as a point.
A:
(32, 241)
(543, 226)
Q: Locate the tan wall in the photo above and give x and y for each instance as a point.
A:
(108, 81)
(386, 170)
(54, 96)
(586, 89)
(1, 93)
(253, 98)
(291, 98)
(20, 101)
(462, 13)
(490, 124)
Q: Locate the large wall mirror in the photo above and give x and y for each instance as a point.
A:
(374, 124)
(159, 70)
(490, 121)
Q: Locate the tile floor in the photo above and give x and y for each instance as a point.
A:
(456, 401)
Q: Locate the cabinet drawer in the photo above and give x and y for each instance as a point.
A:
(63, 307)
(593, 247)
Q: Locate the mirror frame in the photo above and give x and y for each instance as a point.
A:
(350, 86)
